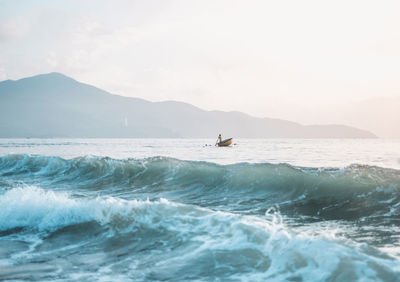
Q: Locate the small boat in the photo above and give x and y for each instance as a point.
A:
(225, 142)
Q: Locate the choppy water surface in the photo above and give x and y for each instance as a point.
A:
(138, 209)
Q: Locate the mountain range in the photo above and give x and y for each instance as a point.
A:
(54, 105)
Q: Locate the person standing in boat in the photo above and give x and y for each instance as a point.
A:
(219, 139)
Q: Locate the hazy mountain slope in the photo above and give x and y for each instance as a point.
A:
(53, 105)
(377, 114)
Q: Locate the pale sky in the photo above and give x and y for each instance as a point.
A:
(313, 62)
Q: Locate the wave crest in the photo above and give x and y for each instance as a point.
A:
(199, 242)
(354, 192)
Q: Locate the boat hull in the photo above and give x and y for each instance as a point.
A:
(225, 143)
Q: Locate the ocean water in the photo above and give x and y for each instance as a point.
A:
(180, 209)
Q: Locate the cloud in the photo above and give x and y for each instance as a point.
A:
(3, 75)
(13, 28)
(52, 59)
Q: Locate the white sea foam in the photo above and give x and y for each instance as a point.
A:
(39, 209)
(256, 248)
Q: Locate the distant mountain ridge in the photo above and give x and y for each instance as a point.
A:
(54, 105)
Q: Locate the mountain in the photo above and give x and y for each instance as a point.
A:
(54, 105)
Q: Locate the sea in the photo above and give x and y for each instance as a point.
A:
(185, 210)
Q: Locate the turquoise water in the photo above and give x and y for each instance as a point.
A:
(138, 209)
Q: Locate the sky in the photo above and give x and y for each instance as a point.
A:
(313, 62)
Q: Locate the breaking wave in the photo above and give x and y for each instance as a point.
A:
(164, 240)
(356, 192)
